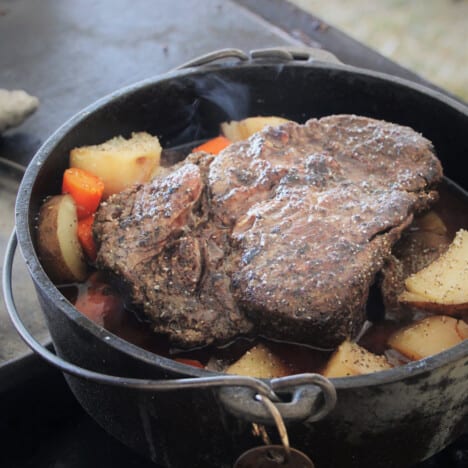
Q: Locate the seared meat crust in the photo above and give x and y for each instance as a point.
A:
(157, 238)
(284, 232)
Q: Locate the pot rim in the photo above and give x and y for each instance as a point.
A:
(23, 203)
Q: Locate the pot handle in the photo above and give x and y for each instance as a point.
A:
(307, 397)
(277, 54)
(314, 396)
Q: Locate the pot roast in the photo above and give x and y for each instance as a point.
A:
(281, 235)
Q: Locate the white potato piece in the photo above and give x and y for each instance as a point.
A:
(259, 362)
(120, 163)
(429, 336)
(352, 359)
(59, 250)
(443, 284)
(430, 222)
(238, 130)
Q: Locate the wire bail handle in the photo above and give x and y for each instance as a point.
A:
(279, 422)
(273, 455)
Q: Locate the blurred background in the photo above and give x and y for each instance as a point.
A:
(429, 37)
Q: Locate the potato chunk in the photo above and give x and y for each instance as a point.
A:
(243, 129)
(59, 250)
(420, 302)
(352, 359)
(259, 362)
(429, 336)
(120, 163)
(442, 285)
(430, 222)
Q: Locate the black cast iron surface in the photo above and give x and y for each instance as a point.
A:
(42, 426)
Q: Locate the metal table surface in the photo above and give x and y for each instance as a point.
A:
(69, 54)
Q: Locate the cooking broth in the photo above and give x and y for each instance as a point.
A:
(130, 325)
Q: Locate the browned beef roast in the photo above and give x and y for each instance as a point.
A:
(282, 234)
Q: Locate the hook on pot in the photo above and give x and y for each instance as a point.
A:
(311, 398)
(273, 455)
(276, 415)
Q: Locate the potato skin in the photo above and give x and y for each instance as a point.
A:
(419, 302)
(57, 242)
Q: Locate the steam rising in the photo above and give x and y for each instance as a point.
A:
(217, 100)
(232, 98)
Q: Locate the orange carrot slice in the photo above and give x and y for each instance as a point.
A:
(190, 362)
(85, 236)
(213, 146)
(85, 188)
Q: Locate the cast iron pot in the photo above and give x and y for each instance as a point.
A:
(393, 418)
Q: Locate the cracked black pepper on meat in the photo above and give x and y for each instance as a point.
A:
(280, 235)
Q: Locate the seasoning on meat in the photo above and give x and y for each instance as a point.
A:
(281, 235)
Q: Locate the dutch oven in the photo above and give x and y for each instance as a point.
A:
(181, 416)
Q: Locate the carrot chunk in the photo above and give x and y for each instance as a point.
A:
(190, 362)
(85, 188)
(213, 146)
(85, 236)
